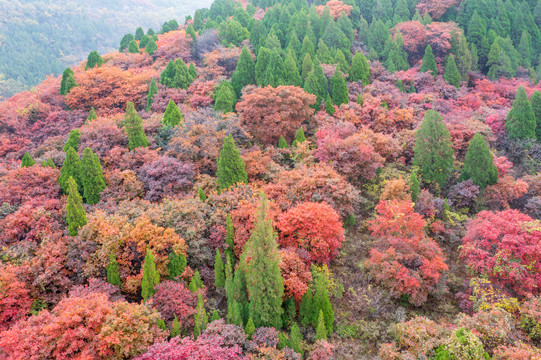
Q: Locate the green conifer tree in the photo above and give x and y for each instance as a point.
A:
(316, 84)
(214, 316)
(201, 194)
(68, 81)
(92, 115)
(299, 137)
(250, 328)
(451, 74)
(172, 116)
(329, 106)
(291, 72)
(125, 42)
(92, 177)
(535, 100)
(175, 327)
(415, 186)
(176, 264)
(196, 331)
(70, 168)
(201, 317)
(73, 140)
(359, 69)
(151, 47)
(244, 74)
(282, 143)
(520, 122)
(479, 163)
(433, 154)
(282, 340)
(219, 274)
(151, 277)
(113, 273)
(339, 89)
(229, 239)
(231, 168)
(152, 91)
(144, 41)
(225, 98)
(323, 53)
(308, 47)
(290, 312)
(305, 308)
(133, 48)
(322, 304)
(229, 280)
(306, 67)
(192, 71)
(196, 282)
(27, 161)
(429, 63)
(49, 163)
(139, 33)
(321, 330)
(161, 324)
(134, 128)
(263, 59)
(75, 212)
(94, 60)
(295, 339)
(275, 72)
(235, 313)
(264, 280)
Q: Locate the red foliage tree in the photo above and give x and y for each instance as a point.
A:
(173, 298)
(165, 176)
(29, 183)
(15, 301)
(436, 8)
(336, 7)
(295, 272)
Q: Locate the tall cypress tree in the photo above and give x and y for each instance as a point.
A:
(175, 327)
(151, 47)
(291, 72)
(152, 91)
(139, 33)
(244, 74)
(73, 140)
(433, 154)
(479, 163)
(125, 42)
(231, 168)
(27, 160)
(176, 264)
(134, 128)
(429, 63)
(92, 177)
(299, 137)
(133, 48)
(451, 74)
(321, 304)
(316, 84)
(229, 239)
(225, 98)
(94, 60)
(151, 277)
(75, 212)
(219, 274)
(264, 280)
(192, 71)
(172, 116)
(92, 115)
(535, 100)
(321, 331)
(306, 66)
(113, 274)
(263, 58)
(274, 73)
(323, 53)
(68, 81)
(339, 89)
(415, 186)
(250, 328)
(308, 47)
(305, 308)
(359, 69)
(70, 168)
(295, 339)
(201, 317)
(520, 122)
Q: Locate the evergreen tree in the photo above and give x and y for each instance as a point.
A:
(144, 41)
(229, 239)
(152, 91)
(282, 340)
(323, 53)
(291, 72)
(322, 304)
(151, 47)
(264, 280)
(172, 116)
(49, 163)
(68, 81)
(397, 58)
(113, 273)
(240, 292)
(176, 264)
(329, 106)
(175, 327)
(263, 59)
(161, 324)
(244, 74)
(299, 137)
(290, 312)
(463, 57)
(340, 60)
(196, 282)
(92, 177)
(134, 128)
(231, 168)
(125, 42)
(229, 280)
(433, 154)
(198, 20)
(429, 63)
(479, 163)
(201, 194)
(196, 331)
(250, 328)
(133, 48)
(316, 84)
(451, 75)
(201, 317)
(192, 71)
(308, 47)
(92, 115)
(70, 168)
(359, 69)
(415, 186)
(295, 339)
(235, 313)
(219, 274)
(214, 316)
(27, 161)
(339, 89)
(401, 11)
(306, 67)
(75, 212)
(151, 277)
(535, 100)
(191, 31)
(225, 98)
(502, 59)
(73, 140)
(94, 60)
(282, 143)
(274, 73)
(139, 33)
(520, 123)
(321, 330)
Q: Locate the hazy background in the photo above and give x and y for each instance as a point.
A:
(40, 37)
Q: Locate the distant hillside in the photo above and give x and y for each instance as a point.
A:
(40, 37)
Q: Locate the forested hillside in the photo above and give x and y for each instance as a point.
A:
(40, 38)
(351, 179)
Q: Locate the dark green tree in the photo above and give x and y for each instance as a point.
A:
(73, 140)
(329, 106)
(172, 116)
(235, 313)
(299, 137)
(219, 274)
(339, 89)
(429, 63)
(323, 53)
(92, 115)
(75, 212)
(201, 194)
(291, 72)
(322, 304)
(49, 163)
(433, 154)
(175, 327)
(316, 84)
(151, 277)
(113, 273)
(415, 186)
(27, 160)
(94, 60)
(321, 330)
(134, 128)
(70, 168)
(282, 143)
(176, 264)
(250, 328)
(191, 31)
(308, 47)
(68, 82)
(535, 100)
(229, 239)
(144, 41)
(244, 74)
(306, 66)
(125, 42)
(275, 72)
(359, 69)
(139, 33)
(133, 48)
(201, 317)
(479, 163)
(92, 177)
(152, 91)
(231, 168)
(214, 316)
(295, 339)
(451, 75)
(151, 47)
(198, 20)
(225, 98)
(463, 57)
(520, 122)
(192, 71)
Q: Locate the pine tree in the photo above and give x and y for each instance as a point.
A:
(250, 328)
(264, 280)
(144, 41)
(214, 316)
(240, 292)
(263, 59)
(201, 194)
(295, 338)
(299, 137)
(125, 42)
(172, 116)
(520, 123)
(225, 98)
(151, 47)
(152, 91)
(161, 324)
(321, 330)
(282, 340)
(308, 47)
(196, 331)
(27, 161)
(73, 140)
(339, 89)
(229, 239)
(451, 74)
(198, 20)
(68, 81)
(323, 53)
(433, 154)
(176, 264)
(329, 106)
(429, 63)
(70, 168)
(113, 273)
(219, 274)
(274, 73)
(92, 177)
(231, 168)
(322, 304)
(92, 115)
(316, 84)
(192, 71)
(94, 60)
(463, 57)
(133, 48)
(151, 277)
(235, 313)
(290, 312)
(359, 69)
(139, 33)
(196, 282)
(134, 128)
(175, 327)
(535, 100)
(244, 74)
(75, 212)
(49, 163)
(306, 66)
(415, 186)
(282, 143)
(201, 317)
(191, 31)
(305, 308)
(291, 72)
(525, 49)
(479, 163)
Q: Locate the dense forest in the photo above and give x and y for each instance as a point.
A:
(40, 38)
(351, 179)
